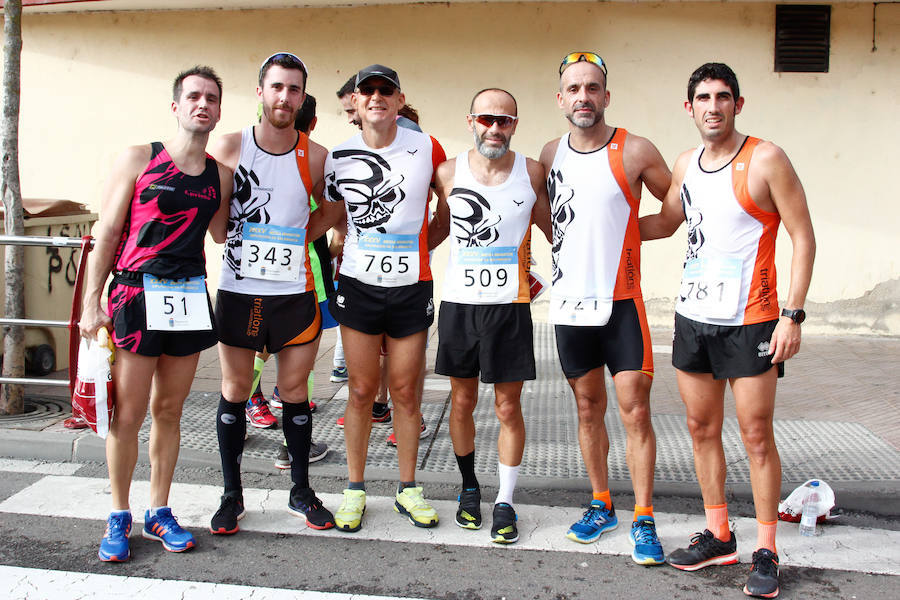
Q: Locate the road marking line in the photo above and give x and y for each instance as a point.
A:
(36, 466)
(540, 527)
(20, 583)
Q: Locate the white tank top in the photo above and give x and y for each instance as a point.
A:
(490, 237)
(265, 251)
(729, 272)
(386, 193)
(596, 242)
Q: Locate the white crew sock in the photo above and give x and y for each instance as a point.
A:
(508, 476)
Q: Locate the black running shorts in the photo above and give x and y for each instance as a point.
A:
(493, 339)
(726, 351)
(267, 322)
(623, 344)
(373, 310)
(128, 312)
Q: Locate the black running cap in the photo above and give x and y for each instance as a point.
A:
(378, 71)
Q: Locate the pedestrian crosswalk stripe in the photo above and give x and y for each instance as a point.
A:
(12, 465)
(540, 527)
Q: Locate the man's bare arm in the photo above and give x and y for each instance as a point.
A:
(540, 214)
(218, 226)
(114, 207)
(650, 166)
(671, 213)
(439, 228)
(789, 199)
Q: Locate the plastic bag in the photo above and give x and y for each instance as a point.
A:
(792, 508)
(94, 396)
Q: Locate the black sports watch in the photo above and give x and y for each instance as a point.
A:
(797, 315)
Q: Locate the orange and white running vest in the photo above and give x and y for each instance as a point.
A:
(729, 270)
(265, 251)
(386, 193)
(596, 242)
(490, 237)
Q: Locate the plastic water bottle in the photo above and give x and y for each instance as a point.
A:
(810, 515)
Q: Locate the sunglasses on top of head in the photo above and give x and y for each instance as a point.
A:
(285, 57)
(385, 90)
(575, 57)
(488, 120)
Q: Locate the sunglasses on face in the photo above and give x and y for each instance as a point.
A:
(575, 57)
(488, 120)
(384, 90)
(285, 57)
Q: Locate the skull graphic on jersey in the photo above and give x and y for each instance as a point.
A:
(561, 212)
(369, 188)
(248, 204)
(473, 222)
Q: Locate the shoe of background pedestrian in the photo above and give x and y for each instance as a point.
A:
(304, 503)
(380, 416)
(317, 451)
(258, 413)
(114, 545)
(392, 439)
(411, 503)
(339, 375)
(503, 528)
(349, 515)
(283, 460)
(647, 548)
(468, 515)
(275, 400)
(164, 528)
(763, 579)
(596, 520)
(231, 510)
(705, 550)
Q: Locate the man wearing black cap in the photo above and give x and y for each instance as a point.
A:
(595, 175)
(266, 296)
(382, 176)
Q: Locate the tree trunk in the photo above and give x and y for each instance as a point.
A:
(12, 397)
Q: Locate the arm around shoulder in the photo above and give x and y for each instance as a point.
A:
(540, 214)
(671, 214)
(218, 226)
(439, 227)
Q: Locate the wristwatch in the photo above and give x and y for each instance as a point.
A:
(797, 315)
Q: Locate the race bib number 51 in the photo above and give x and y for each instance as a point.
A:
(712, 286)
(176, 304)
(388, 260)
(272, 252)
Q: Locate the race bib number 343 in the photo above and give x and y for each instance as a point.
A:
(176, 304)
(272, 252)
(712, 286)
(388, 260)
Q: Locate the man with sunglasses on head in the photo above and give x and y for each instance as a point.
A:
(266, 296)
(383, 176)
(733, 190)
(595, 175)
(488, 198)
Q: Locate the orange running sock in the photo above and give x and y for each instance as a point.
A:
(604, 497)
(717, 521)
(765, 534)
(643, 511)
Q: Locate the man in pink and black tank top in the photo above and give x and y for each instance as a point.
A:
(157, 207)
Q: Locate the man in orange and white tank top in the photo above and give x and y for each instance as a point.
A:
(733, 190)
(488, 198)
(595, 175)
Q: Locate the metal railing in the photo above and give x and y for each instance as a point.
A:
(50, 241)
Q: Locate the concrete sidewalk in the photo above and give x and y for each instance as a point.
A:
(837, 419)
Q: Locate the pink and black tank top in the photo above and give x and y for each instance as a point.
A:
(168, 218)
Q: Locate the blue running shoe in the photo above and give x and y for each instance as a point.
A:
(114, 545)
(596, 520)
(647, 549)
(164, 528)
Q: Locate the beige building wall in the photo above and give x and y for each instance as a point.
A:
(94, 83)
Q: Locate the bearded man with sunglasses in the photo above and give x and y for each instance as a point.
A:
(595, 175)
(382, 176)
(488, 198)
(266, 296)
